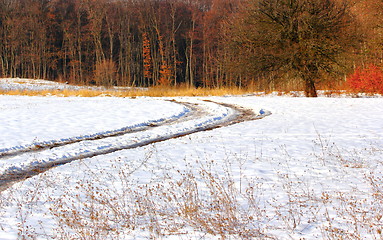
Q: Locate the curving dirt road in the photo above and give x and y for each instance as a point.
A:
(101, 144)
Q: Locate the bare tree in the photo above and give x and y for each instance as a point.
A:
(292, 39)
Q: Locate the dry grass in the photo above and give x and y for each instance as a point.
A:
(134, 92)
(209, 200)
(334, 89)
(203, 204)
(166, 208)
(163, 92)
(59, 93)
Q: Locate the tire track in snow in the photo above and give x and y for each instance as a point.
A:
(239, 114)
(40, 146)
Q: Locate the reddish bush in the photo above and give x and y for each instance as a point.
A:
(368, 80)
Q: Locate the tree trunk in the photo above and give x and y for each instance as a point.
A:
(191, 74)
(310, 89)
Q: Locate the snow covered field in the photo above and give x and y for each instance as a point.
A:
(21, 84)
(310, 170)
(25, 120)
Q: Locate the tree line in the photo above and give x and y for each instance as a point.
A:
(197, 43)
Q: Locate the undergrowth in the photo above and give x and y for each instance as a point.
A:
(134, 92)
(368, 80)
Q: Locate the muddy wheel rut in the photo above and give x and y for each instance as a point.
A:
(10, 177)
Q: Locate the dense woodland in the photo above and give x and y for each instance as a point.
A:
(200, 43)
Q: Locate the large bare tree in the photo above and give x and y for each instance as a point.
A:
(302, 39)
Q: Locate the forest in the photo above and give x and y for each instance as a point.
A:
(259, 44)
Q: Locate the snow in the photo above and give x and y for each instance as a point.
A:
(306, 164)
(138, 113)
(25, 120)
(9, 84)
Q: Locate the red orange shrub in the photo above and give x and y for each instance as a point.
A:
(368, 80)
